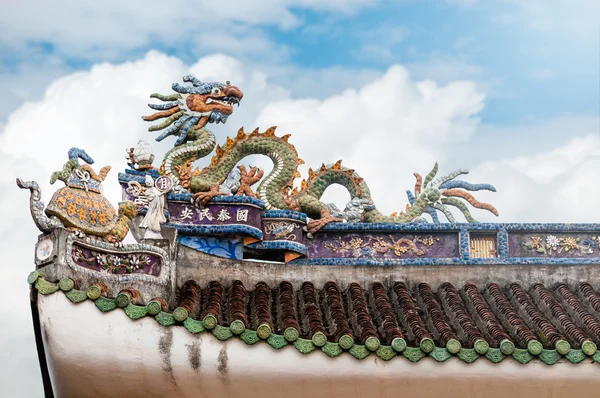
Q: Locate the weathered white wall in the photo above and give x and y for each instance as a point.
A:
(96, 354)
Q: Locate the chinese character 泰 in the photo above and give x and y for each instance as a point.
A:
(223, 215)
(204, 213)
(242, 215)
(186, 214)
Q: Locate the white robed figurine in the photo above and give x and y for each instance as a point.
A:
(155, 216)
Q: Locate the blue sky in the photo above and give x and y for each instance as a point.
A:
(532, 74)
(509, 89)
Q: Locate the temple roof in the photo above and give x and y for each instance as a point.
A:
(394, 318)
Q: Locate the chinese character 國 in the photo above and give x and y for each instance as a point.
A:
(242, 215)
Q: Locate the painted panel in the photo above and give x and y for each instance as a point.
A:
(556, 245)
(382, 245)
(228, 248)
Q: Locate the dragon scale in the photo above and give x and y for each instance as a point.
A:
(176, 158)
(187, 113)
(309, 197)
(282, 154)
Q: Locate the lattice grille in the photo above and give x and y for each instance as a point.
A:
(483, 247)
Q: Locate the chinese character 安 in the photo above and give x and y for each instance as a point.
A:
(186, 214)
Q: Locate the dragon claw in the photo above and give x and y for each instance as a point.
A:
(326, 218)
(247, 179)
(200, 199)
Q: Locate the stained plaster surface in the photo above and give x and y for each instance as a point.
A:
(141, 359)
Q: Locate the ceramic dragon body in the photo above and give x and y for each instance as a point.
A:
(192, 107)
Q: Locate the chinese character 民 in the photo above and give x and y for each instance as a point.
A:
(204, 213)
(223, 215)
(186, 214)
(242, 215)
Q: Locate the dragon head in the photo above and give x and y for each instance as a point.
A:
(214, 100)
(193, 107)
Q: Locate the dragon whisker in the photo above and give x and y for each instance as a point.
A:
(411, 197)
(468, 186)
(430, 175)
(461, 206)
(185, 129)
(418, 183)
(471, 199)
(162, 97)
(436, 183)
(431, 211)
(159, 115)
(168, 105)
(173, 129)
(166, 122)
(444, 209)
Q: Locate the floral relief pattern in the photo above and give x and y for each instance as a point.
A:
(371, 245)
(552, 244)
(112, 263)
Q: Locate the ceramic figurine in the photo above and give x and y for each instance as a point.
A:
(140, 157)
(155, 214)
(80, 205)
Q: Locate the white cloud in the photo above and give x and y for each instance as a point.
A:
(553, 186)
(547, 166)
(575, 16)
(558, 27)
(386, 130)
(447, 69)
(27, 78)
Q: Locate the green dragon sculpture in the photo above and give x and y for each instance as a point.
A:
(192, 107)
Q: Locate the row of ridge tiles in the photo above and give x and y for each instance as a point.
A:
(469, 316)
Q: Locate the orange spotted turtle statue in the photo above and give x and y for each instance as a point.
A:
(80, 205)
